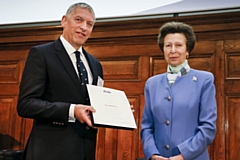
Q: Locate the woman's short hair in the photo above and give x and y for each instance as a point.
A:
(177, 27)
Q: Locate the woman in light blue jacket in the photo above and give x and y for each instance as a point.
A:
(179, 118)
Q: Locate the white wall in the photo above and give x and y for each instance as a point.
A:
(25, 11)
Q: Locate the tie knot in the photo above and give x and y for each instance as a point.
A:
(77, 53)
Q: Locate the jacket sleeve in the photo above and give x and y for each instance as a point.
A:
(147, 125)
(206, 130)
(31, 103)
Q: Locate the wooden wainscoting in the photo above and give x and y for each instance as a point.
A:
(129, 55)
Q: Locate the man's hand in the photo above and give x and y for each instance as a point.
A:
(82, 113)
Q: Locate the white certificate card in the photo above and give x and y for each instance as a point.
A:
(112, 108)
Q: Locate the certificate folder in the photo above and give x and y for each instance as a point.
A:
(112, 108)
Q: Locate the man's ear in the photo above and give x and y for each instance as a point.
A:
(63, 21)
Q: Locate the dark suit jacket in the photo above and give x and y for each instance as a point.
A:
(49, 85)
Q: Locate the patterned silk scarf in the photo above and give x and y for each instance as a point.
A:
(174, 72)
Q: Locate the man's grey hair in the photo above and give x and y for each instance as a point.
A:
(80, 5)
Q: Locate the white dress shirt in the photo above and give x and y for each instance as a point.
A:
(70, 50)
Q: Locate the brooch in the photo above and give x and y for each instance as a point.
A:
(194, 79)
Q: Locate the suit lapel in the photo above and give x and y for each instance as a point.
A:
(67, 63)
(92, 66)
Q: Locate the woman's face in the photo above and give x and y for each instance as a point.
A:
(175, 49)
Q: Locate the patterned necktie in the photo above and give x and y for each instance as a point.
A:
(82, 72)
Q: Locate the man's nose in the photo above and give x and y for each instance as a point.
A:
(84, 26)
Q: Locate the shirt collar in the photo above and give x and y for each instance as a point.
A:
(69, 48)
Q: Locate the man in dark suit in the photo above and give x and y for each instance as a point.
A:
(54, 95)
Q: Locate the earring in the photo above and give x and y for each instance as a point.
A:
(187, 56)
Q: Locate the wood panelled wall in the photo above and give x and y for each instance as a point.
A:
(129, 54)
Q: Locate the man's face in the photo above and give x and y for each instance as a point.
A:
(77, 27)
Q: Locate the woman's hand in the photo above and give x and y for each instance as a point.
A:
(157, 157)
(131, 106)
(178, 157)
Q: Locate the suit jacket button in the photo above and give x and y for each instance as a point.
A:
(167, 122)
(87, 128)
(169, 98)
(167, 147)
